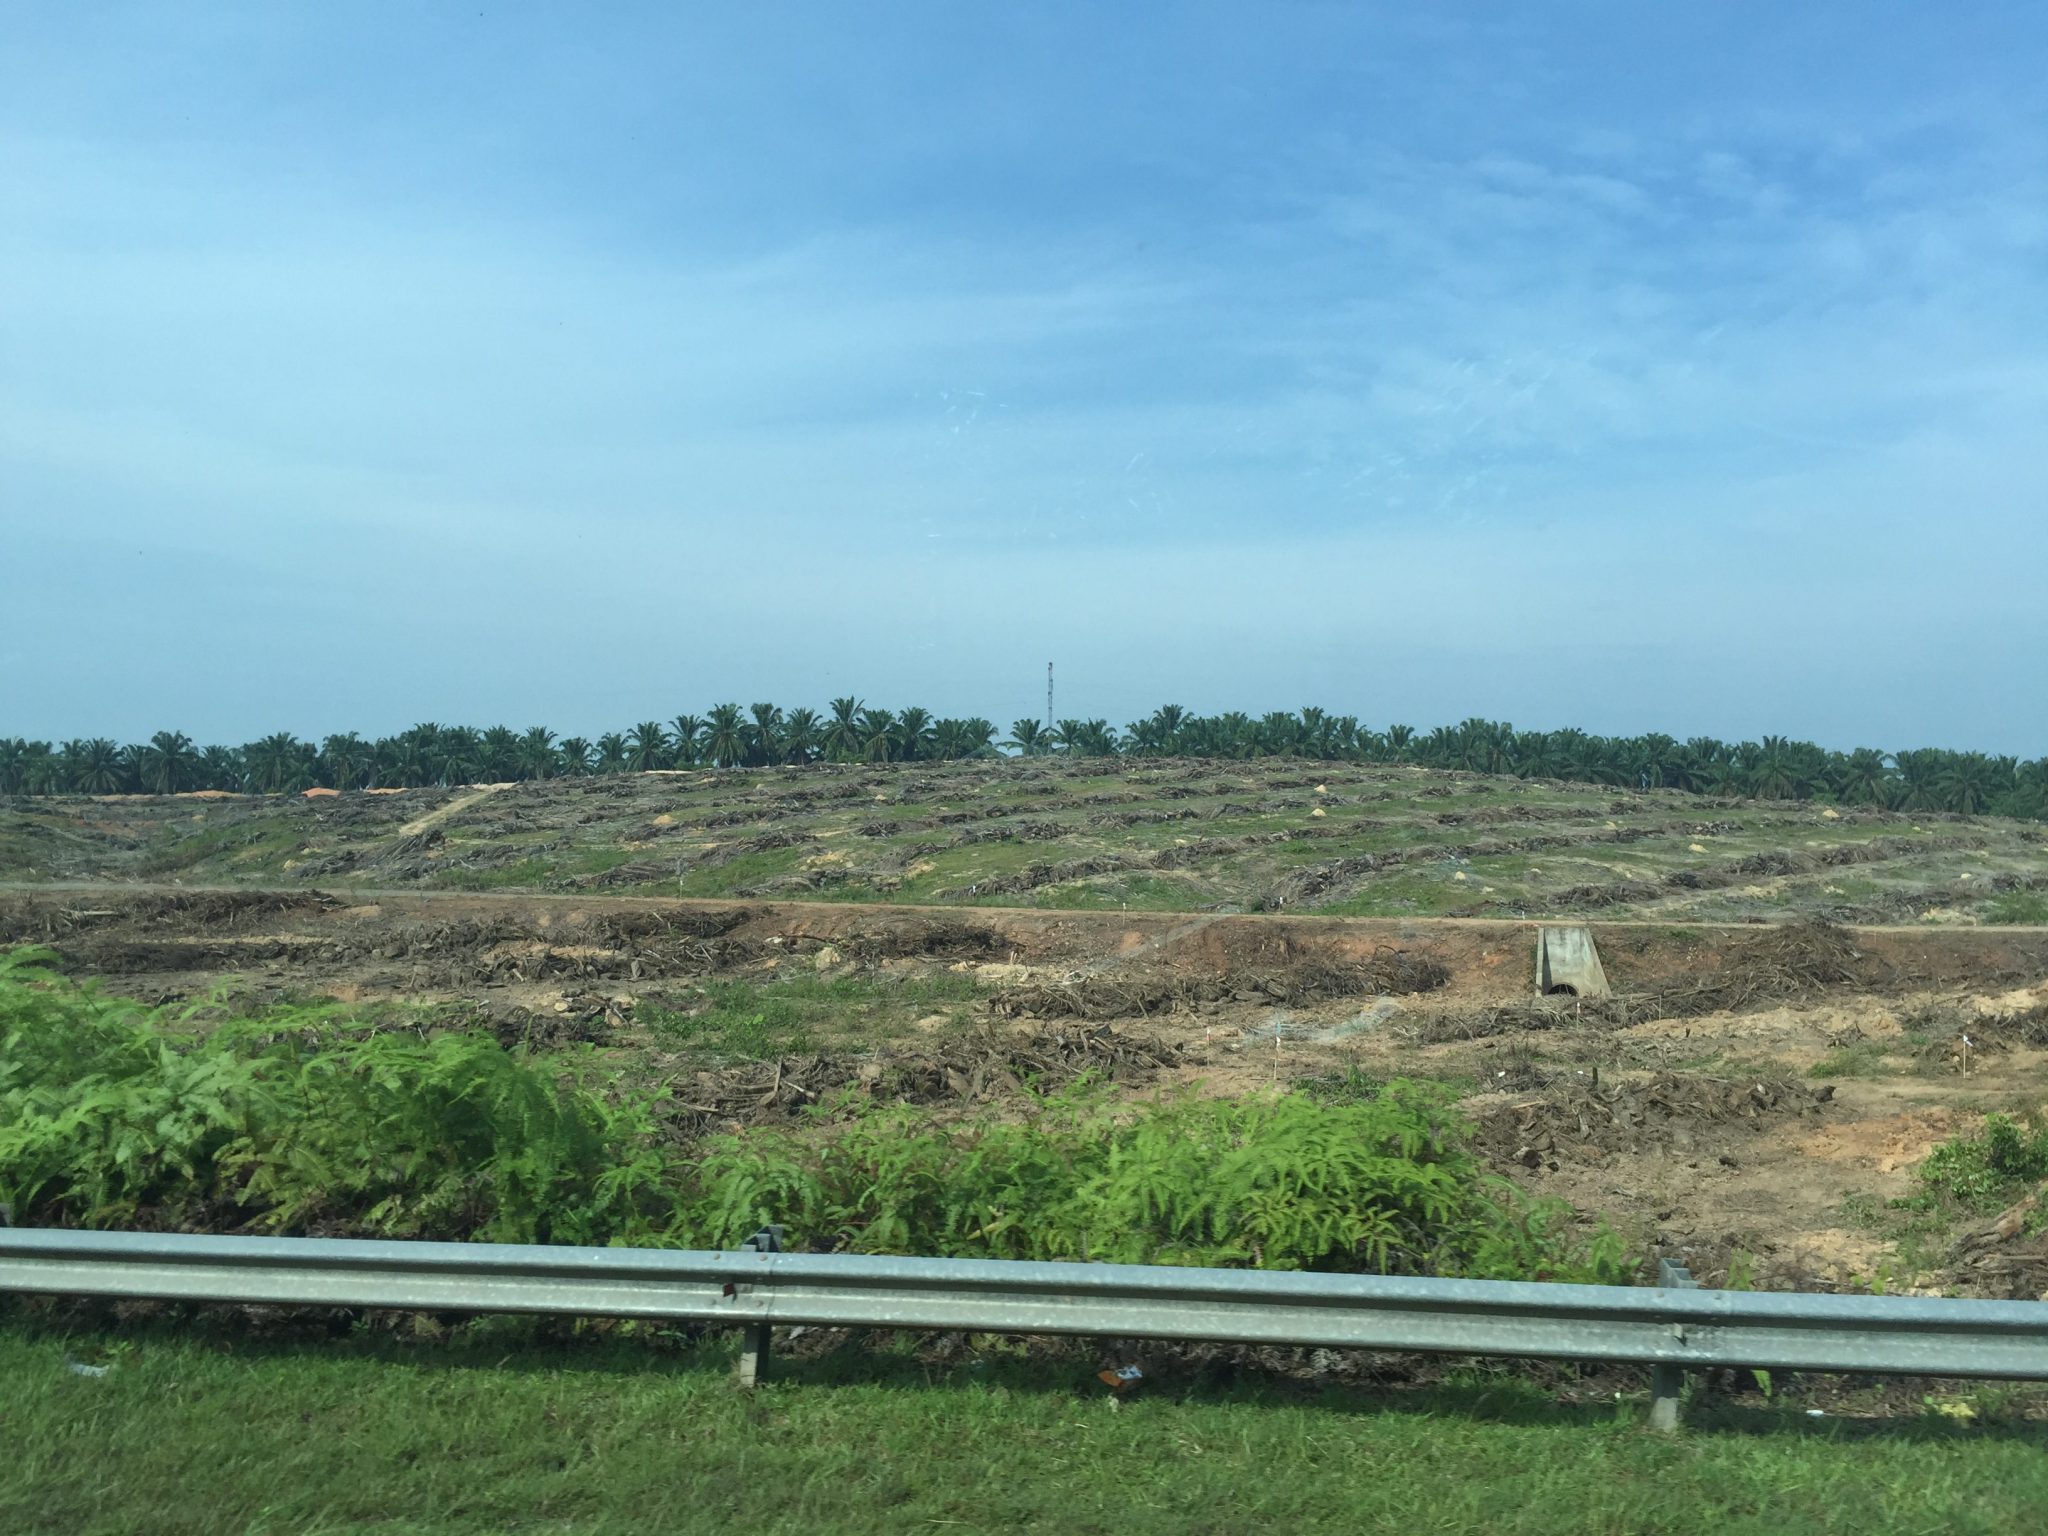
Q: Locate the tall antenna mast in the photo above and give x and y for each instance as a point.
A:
(1048, 696)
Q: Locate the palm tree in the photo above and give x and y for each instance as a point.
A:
(345, 761)
(1971, 781)
(725, 741)
(800, 735)
(1536, 755)
(842, 739)
(611, 752)
(1775, 779)
(462, 755)
(279, 764)
(914, 733)
(687, 736)
(877, 735)
(1235, 734)
(93, 766)
(168, 764)
(764, 735)
(576, 757)
(1145, 737)
(498, 757)
(1028, 737)
(14, 766)
(1400, 738)
(647, 747)
(1861, 779)
(222, 768)
(536, 756)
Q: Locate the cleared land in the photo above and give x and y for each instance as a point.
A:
(1752, 1101)
(1272, 835)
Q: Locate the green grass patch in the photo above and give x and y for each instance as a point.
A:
(260, 841)
(2017, 907)
(748, 869)
(522, 875)
(799, 1012)
(496, 1433)
(1865, 1058)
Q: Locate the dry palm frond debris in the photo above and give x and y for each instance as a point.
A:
(1623, 1116)
(978, 1068)
(1796, 960)
(1519, 1018)
(1157, 989)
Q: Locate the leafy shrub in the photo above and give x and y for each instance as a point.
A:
(1280, 1183)
(1987, 1170)
(301, 1121)
(110, 1115)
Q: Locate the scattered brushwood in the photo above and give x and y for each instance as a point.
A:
(1518, 1018)
(416, 843)
(225, 908)
(1620, 893)
(1957, 1035)
(979, 1068)
(2007, 1256)
(623, 928)
(634, 872)
(1793, 961)
(1036, 876)
(580, 1019)
(1619, 1116)
(936, 939)
(35, 919)
(1296, 979)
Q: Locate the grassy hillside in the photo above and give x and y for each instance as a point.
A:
(1270, 835)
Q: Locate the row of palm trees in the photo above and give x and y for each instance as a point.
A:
(849, 730)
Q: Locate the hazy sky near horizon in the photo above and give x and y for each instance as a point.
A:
(1628, 367)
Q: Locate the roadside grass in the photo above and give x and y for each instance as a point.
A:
(500, 1431)
(801, 1012)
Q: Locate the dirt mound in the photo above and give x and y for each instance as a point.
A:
(976, 1069)
(1300, 978)
(1661, 1110)
(1794, 961)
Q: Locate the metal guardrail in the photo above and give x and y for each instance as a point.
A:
(1673, 1326)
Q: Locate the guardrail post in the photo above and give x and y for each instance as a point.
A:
(756, 1339)
(1667, 1382)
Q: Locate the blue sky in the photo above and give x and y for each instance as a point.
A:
(1622, 366)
